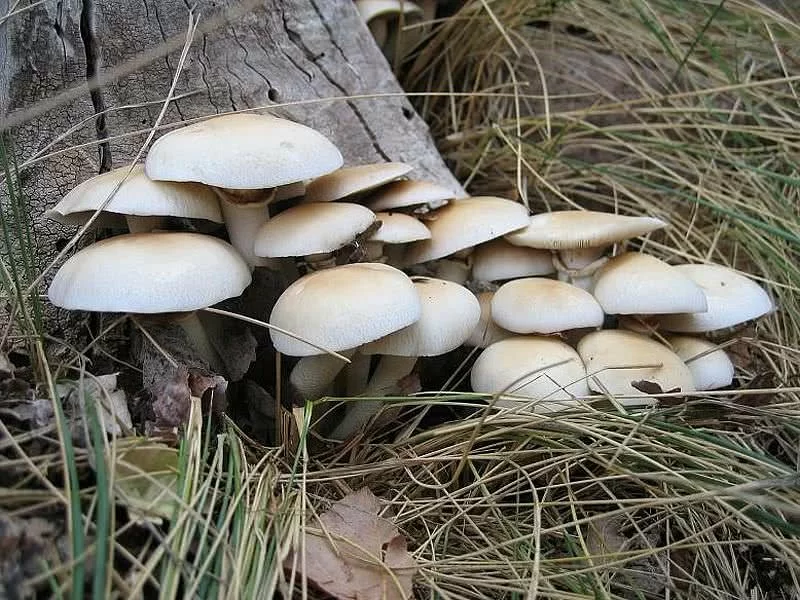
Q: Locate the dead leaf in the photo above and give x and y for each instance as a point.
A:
(352, 553)
(651, 387)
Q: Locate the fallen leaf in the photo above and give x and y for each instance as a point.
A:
(352, 553)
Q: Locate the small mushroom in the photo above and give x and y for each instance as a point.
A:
(624, 363)
(579, 238)
(522, 369)
(396, 230)
(732, 299)
(539, 305)
(487, 331)
(710, 365)
(499, 260)
(410, 195)
(245, 156)
(356, 181)
(133, 196)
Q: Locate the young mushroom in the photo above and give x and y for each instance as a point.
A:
(523, 369)
(143, 203)
(580, 238)
(710, 365)
(313, 232)
(153, 273)
(624, 363)
(498, 260)
(245, 156)
(396, 230)
(353, 182)
(449, 314)
(410, 196)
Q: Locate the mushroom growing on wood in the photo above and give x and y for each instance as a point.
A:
(245, 156)
(149, 273)
(579, 238)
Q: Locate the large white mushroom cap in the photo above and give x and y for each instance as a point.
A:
(150, 273)
(732, 299)
(449, 314)
(466, 223)
(539, 305)
(626, 363)
(137, 195)
(639, 284)
(569, 229)
(242, 151)
(344, 307)
(521, 366)
(312, 228)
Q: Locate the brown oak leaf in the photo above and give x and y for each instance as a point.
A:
(352, 553)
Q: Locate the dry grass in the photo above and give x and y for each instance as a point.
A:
(683, 110)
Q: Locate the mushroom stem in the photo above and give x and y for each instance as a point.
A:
(243, 218)
(200, 342)
(456, 271)
(143, 224)
(373, 251)
(390, 370)
(312, 375)
(576, 266)
(358, 374)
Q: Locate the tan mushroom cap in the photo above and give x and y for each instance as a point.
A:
(732, 299)
(569, 229)
(344, 307)
(539, 305)
(408, 193)
(138, 195)
(449, 314)
(514, 367)
(498, 260)
(711, 366)
(312, 228)
(465, 223)
(616, 359)
(398, 228)
(639, 284)
(486, 332)
(349, 181)
(242, 151)
(150, 273)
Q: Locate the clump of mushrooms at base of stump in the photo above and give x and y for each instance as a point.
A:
(313, 232)
(579, 238)
(521, 370)
(450, 312)
(129, 194)
(339, 309)
(459, 226)
(152, 273)
(245, 157)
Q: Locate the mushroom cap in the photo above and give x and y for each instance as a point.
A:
(612, 358)
(465, 223)
(407, 193)
(150, 273)
(243, 151)
(312, 228)
(374, 9)
(713, 369)
(397, 228)
(449, 314)
(732, 299)
(348, 181)
(539, 305)
(344, 307)
(138, 195)
(639, 284)
(570, 229)
(77, 219)
(512, 366)
(486, 332)
(498, 260)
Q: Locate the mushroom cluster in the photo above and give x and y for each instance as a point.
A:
(386, 270)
